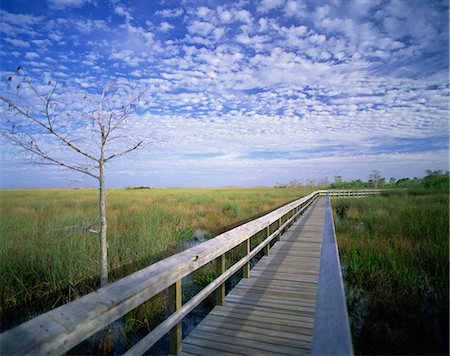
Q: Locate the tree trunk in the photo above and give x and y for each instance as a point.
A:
(103, 242)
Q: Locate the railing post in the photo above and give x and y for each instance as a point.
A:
(174, 305)
(279, 225)
(220, 291)
(267, 247)
(246, 252)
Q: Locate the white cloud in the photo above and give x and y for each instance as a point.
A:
(201, 28)
(267, 5)
(62, 4)
(204, 12)
(225, 16)
(55, 36)
(42, 43)
(165, 27)
(240, 82)
(89, 26)
(20, 19)
(295, 8)
(243, 16)
(363, 6)
(31, 55)
(121, 11)
(16, 42)
(170, 12)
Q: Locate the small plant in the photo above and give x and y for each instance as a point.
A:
(232, 210)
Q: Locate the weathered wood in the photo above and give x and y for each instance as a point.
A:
(279, 228)
(175, 294)
(267, 247)
(220, 291)
(149, 340)
(275, 307)
(332, 334)
(246, 267)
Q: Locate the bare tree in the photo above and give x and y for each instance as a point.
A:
(58, 128)
(337, 179)
(375, 179)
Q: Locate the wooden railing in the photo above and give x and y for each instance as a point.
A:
(346, 193)
(62, 328)
(331, 333)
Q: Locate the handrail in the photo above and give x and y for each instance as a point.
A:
(148, 341)
(62, 328)
(331, 332)
(353, 193)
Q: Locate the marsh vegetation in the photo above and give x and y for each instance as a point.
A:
(394, 256)
(45, 263)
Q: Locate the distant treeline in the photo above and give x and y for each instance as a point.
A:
(142, 187)
(434, 180)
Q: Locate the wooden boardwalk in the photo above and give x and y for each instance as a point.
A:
(272, 312)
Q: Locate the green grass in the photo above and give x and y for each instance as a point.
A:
(43, 264)
(394, 253)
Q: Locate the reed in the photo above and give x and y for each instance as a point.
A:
(394, 253)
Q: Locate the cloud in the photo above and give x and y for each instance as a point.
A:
(170, 12)
(295, 8)
(363, 6)
(17, 42)
(62, 4)
(204, 12)
(201, 28)
(89, 26)
(165, 27)
(121, 11)
(31, 55)
(267, 5)
(294, 84)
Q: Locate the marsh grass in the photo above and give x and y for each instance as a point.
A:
(43, 264)
(394, 253)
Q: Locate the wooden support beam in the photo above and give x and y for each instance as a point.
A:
(220, 291)
(246, 252)
(267, 247)
(174, 305)
(279, 225)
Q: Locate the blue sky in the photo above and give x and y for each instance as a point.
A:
(245, 92)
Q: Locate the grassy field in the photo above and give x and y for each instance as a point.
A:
(394, 251)
(44, 263)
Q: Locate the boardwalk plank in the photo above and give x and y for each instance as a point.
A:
(273, 311)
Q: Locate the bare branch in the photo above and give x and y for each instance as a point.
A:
(124, 152)
(31, 146)
(82, 228)
(48, 128)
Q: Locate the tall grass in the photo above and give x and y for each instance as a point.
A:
(44, 263)
(394, 253)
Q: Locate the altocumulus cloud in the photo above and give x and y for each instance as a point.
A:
(247, 93)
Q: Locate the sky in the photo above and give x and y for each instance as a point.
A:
(240, 93)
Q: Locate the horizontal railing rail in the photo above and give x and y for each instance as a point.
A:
(62, 328)
(347, 193)
(331, 333)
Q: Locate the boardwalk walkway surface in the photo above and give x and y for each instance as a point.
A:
(273, 311)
